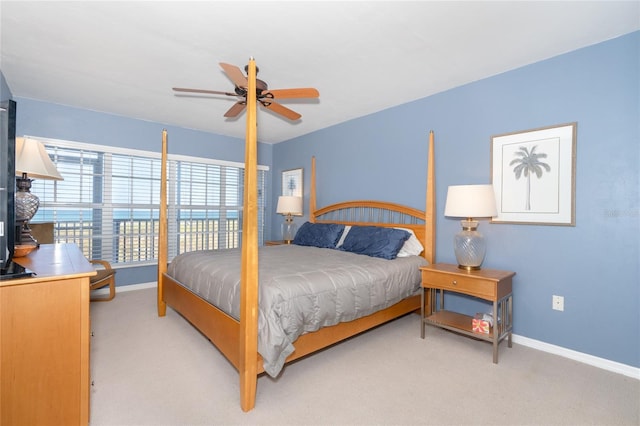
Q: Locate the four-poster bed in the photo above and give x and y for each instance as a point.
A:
(236, 332)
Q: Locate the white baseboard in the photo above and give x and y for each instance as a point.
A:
(605, 364)
(142, 286)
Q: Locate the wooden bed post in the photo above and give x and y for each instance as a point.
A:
(249, 259)
(162, 230)
(430, 214)
(312, 193)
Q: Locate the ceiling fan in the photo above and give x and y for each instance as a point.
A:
(265, 96)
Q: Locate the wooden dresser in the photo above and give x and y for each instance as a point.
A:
(44, 340)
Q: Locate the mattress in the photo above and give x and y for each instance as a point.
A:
(301, 289)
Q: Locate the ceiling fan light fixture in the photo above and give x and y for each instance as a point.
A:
(267, 98)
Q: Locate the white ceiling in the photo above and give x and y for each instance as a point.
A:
(123, 57)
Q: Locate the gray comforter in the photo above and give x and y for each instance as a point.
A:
(301, 289)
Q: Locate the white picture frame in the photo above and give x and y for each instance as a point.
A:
(533, 175)
(292, 183)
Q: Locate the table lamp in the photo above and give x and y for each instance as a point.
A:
(470, 202)
(32, 161)
(289, 206)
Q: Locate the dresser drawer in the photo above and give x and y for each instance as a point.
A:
(472, 285)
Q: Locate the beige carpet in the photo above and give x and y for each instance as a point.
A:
(161, 371)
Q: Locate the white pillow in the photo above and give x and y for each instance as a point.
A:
(343, 236)
(411, 247)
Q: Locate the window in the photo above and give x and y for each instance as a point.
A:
(108, 203)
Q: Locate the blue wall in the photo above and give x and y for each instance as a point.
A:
(55, 121)
(594, 265)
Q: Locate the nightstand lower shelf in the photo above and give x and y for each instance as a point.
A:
(459, 323)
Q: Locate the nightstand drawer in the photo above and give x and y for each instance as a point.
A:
(472, 285)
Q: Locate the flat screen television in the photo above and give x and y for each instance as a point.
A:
(8, 269)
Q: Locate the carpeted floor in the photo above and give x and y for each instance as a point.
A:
(161, 371)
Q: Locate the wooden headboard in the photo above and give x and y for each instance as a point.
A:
(380, 213)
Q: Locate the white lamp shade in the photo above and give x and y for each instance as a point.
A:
(32, 159)
(471, 201)
(289, 205)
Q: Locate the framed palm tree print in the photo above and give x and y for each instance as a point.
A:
(533, 175)
(292, 182)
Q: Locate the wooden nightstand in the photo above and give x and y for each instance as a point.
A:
(274, 243)
(488, 284)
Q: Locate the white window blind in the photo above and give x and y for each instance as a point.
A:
(108, 203)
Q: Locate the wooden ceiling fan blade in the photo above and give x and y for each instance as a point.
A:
(209, 92)
(303, 92)
(235, 74)
(265, 96)
(235, 110)
(280, 109)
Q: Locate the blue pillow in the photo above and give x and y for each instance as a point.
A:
(375, 241)
(323, 235)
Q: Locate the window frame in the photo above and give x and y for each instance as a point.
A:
(109, 248)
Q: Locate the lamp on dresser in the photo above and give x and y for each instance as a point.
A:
(470, 202)
(289, 206)
(32, 161)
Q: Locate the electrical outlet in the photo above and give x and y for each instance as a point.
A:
(557, 303)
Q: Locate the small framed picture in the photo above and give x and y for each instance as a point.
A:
(533, 175)
(292, 182)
